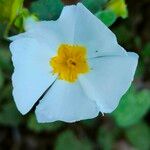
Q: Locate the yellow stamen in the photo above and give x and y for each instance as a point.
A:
(70, 62)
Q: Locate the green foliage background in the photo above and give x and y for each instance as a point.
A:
(128, 126)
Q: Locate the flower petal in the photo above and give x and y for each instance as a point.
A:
(78, 26)
(46, 32)
(60, 30)
(91, 32)
(66, 102)
(32, 74)
(109, 79)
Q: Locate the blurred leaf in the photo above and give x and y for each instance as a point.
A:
(47, 9)
(68, 141)
(107, 17)
(140, 69)
(9, 115)
(138, 42)
(146, 50)
(139, 136)
(37, 127)
(4, 58)
(1, 79)
(15, 8)
(2, 28)
(89, 122)
(10, 9)
(21, 20)
(6, 93)
(118, 7)
(107, 137)
(123, 34)
(94, 5)
(133, 106)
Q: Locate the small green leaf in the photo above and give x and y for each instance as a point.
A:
(68, 141)
(23, 18)
(47, 9)
(133, 106)
(9, 115)
(139, 136)
(107, 17)
(19, 20)
(118, 7)
(39, 127)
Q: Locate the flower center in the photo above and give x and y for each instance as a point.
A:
(70, 62)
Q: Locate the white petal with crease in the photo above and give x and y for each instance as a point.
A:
(66, 102)
(109, 79)
(92, 33)
(32, 74)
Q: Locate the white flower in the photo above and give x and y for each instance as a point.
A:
(79, 58)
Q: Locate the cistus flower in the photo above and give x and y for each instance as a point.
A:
(77, 61)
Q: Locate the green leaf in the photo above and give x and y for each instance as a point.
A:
(47, 9)
(23, 17)
(20, 19)
(107, 137)
(139, 136)
(10, 9)
(9, 115)
(94, 5)
(107, 17)
(68, 141)
(16, 7)
(133, 106)
(5, 58)
(118, 7)
(39, 127)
